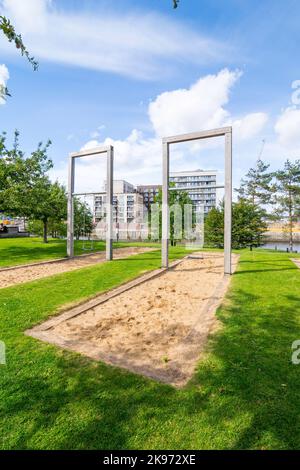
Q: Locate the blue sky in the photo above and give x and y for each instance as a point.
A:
(129, 71)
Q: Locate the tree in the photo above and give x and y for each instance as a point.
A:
(25, 188)
(56, 228)
(9, 31)
(257, 185)
(175, 197)
(18, 173)
(288, 195)
(248, 225)
(47, 201)
(83, 219)
(214, 227)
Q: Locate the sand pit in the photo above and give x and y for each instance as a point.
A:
(21, 274)
(157, 328)
(296, 261)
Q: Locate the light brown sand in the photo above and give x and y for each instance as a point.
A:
(157, 328)
(296, 261)
(25, 273)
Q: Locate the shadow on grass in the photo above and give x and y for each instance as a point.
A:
(84, 405)
(252, 371)
(244, 394)
(248, 388)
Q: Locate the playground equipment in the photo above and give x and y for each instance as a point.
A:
(166, 142)
(109, 152)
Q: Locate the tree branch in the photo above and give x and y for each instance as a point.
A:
(9, 31)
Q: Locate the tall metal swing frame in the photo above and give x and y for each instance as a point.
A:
(166, 142)
(107, 151)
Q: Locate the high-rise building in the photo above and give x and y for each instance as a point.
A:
(149, 193)
(205, 193)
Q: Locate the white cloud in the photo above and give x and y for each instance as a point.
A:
(90, 144)
(202, 106)
(135, 159)
(250, 125)
(133, 155)
(287, 128)
(142, 45)
(95, 134)
(4, 76)
(28, 16)
(199, 107)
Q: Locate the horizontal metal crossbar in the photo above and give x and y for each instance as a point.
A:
(193, 188)
(197, 135)
(93, 151)
(89, 194)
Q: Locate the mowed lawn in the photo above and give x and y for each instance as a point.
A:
(14, 251)
(245, 393)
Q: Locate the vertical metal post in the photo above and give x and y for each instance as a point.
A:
(165, 208)
(70, 229)
(228, 203)
(109, 205)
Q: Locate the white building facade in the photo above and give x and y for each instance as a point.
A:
(128, 212)
(205, 193)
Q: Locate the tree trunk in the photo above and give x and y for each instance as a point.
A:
(45, 227)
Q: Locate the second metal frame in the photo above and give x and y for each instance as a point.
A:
(109, 151)
(167, 141)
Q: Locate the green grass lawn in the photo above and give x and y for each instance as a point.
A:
(15, 251)
(245, 393)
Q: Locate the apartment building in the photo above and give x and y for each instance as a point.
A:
(149, 193)
(128, 210)
(204, 182)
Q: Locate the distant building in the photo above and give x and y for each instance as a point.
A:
(122, 187)
(149, 193)
(205, 193)
(128, 210)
